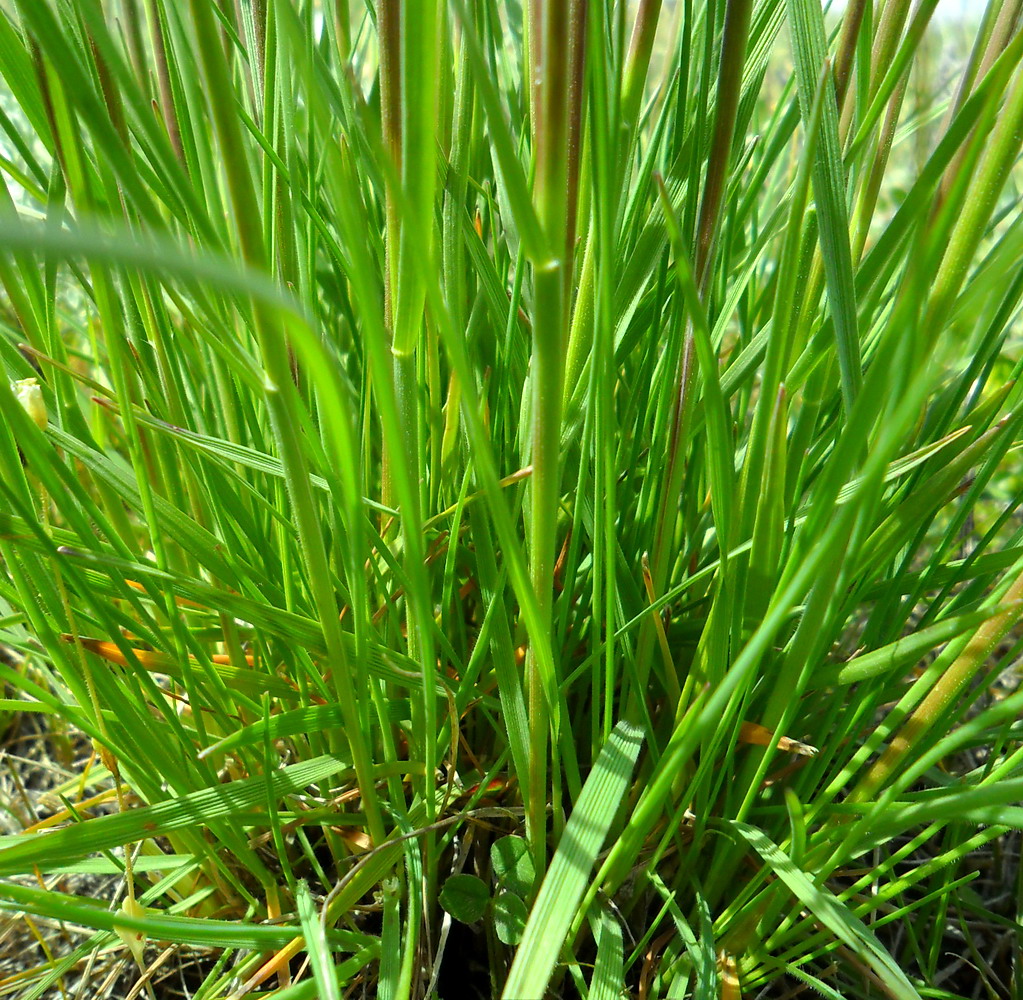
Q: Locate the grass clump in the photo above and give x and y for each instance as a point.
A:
(496, 486)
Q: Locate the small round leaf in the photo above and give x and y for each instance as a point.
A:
(465, 897)
(513, 867)
(509, 917)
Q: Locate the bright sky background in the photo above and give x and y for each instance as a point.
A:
(945, 8)
(954, 7)
(958, 8)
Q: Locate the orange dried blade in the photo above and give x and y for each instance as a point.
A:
(183, 601)
(524, 473)
(59, 817)
(670, 672)
(757, 735)
(273, 902)
(149, 658)
(110, 651)
(358, 841)
(268, 968)
(273, 911)
(795, 746)
(509, 480)
(728, 971)
(494, 785)
(226, 660)
(559, 564)
(650, 961)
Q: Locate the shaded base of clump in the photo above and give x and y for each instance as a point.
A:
(464, 968)
(37, 760)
